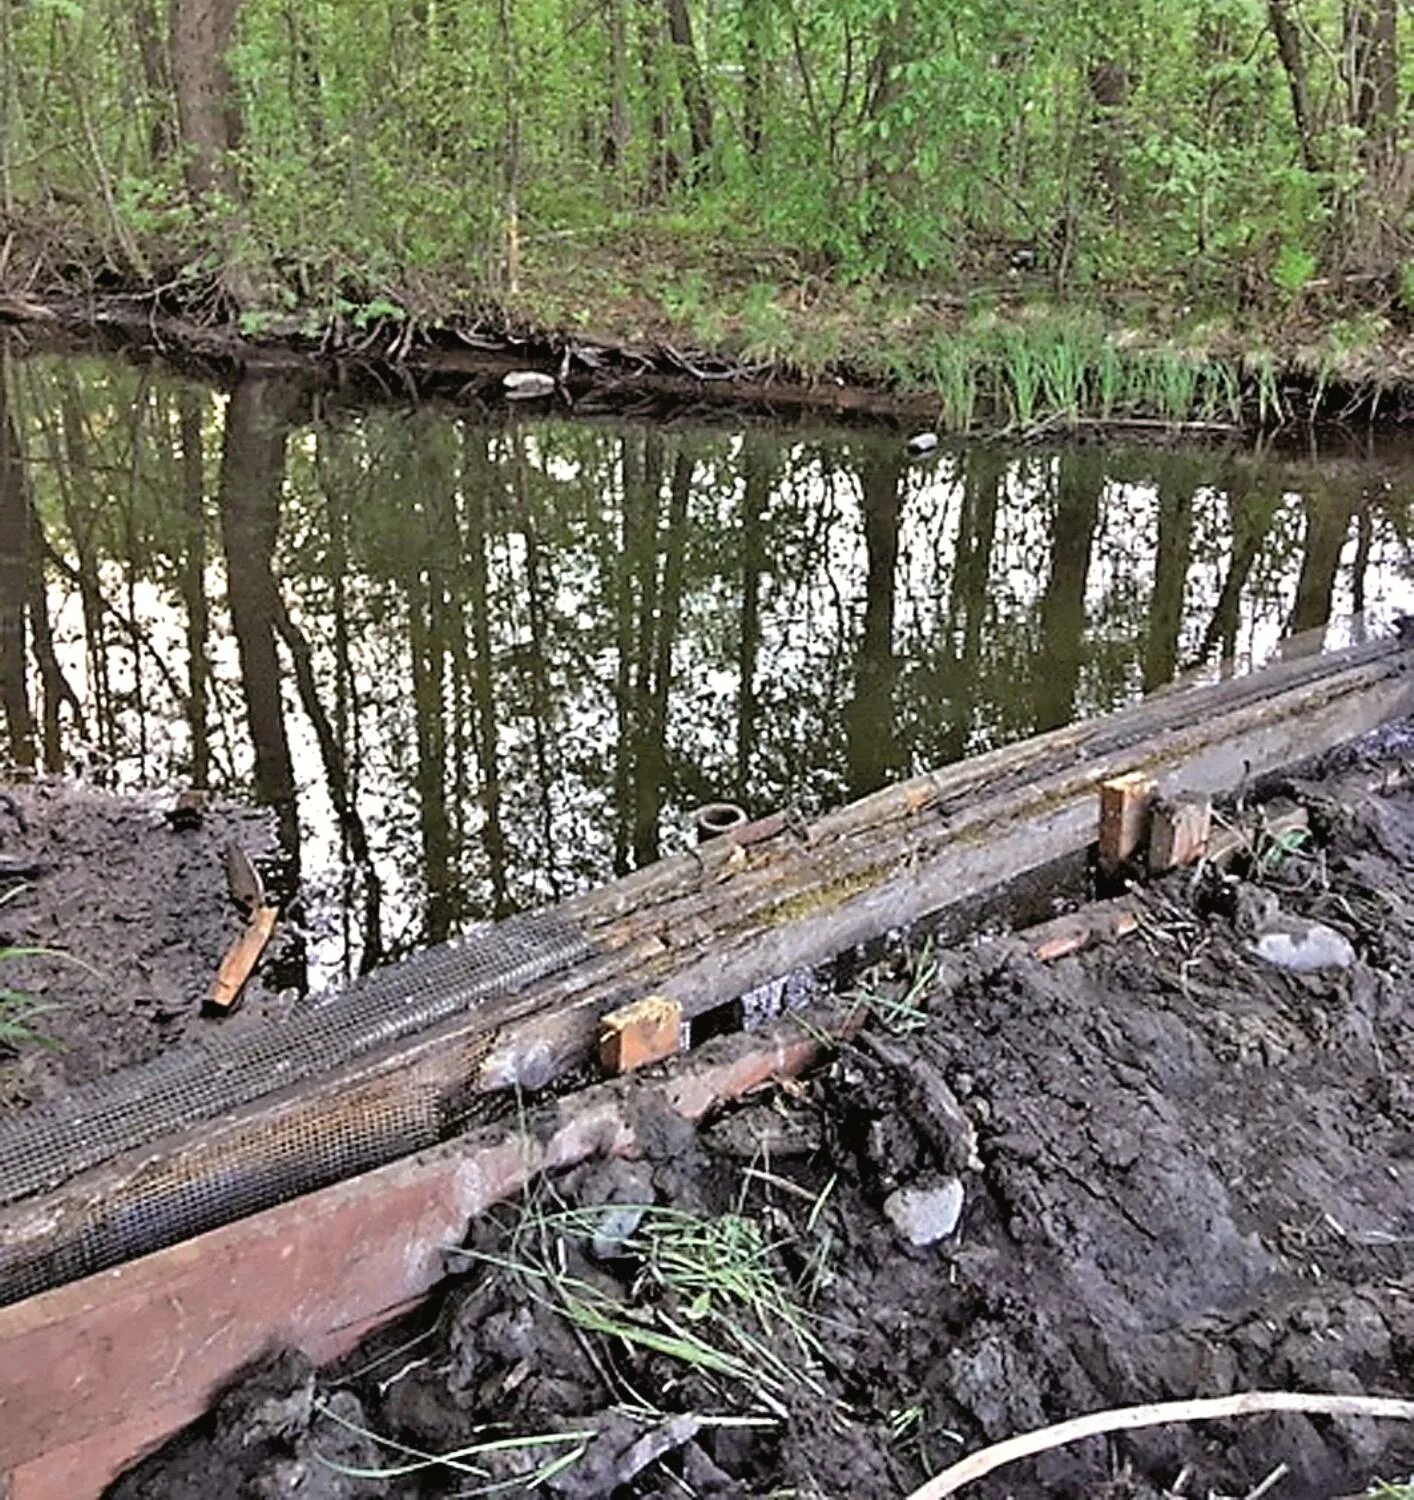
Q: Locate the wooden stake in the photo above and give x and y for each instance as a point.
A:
(241, 959)
(1124, 817)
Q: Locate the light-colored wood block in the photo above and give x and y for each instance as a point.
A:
(1180, 831)
(635, 1035)
(1124, 817)
(241, 959)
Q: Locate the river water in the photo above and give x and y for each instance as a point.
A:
(478, 659)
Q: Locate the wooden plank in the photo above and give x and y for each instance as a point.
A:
(636, 1035)
(1101, 922)
(710, 925)
(95, 1373)
(800, 903)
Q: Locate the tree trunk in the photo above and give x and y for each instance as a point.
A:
(208, 115)
(692, 83)
(1173, 552)
(753, 80)
(1251, 520)
(1371, 41)
(478, 483)
(14, 583)
(194, 582)
(252, 470)
(983, 479)
(536, 594)
(426, 605)
(756, 493)
(661, 626)
(1109, 93)
(1061, 622)
(57, 689)
(1293, 61)
(510, 63)
(157, 76)
(872, 751)
(1372, 57)
(662, 164)
(1327, 525)
(617, 141)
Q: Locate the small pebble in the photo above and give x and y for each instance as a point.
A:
(612, 1227)
(924, 1215)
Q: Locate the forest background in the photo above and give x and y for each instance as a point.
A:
(892, 191)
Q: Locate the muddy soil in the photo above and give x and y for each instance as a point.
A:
(1183, 1172)
(134, 916)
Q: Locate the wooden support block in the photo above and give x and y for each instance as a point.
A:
(1179, 832)
(241, 959)
(1124, 817)
(635, 1035)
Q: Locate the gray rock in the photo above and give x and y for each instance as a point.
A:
(921, 443)
(1304, 947)
(613, 1226)
(924, 1215)
(520, 385)
(618, 1193)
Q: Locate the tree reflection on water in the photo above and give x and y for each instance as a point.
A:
(475, 662)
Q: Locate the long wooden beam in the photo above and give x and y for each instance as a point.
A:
(706, 927)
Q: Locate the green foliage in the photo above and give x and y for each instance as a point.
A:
(19, 1010)
(391, 152)
(1057, 371)
(1293, 269)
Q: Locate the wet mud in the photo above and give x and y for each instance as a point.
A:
(130, 916)
(1182, 1172)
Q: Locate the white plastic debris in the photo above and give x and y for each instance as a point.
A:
(1303, 947)
(921, 443)
(522, 384)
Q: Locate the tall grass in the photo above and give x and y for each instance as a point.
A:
(1034, 378)
(18, 1012)
(708, 1293)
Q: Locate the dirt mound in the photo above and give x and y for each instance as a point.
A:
(137, 916)
(1181, 1171)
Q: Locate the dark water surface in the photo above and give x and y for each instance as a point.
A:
(482, 660)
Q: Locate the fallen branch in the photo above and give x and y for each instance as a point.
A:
(1156, 1414)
